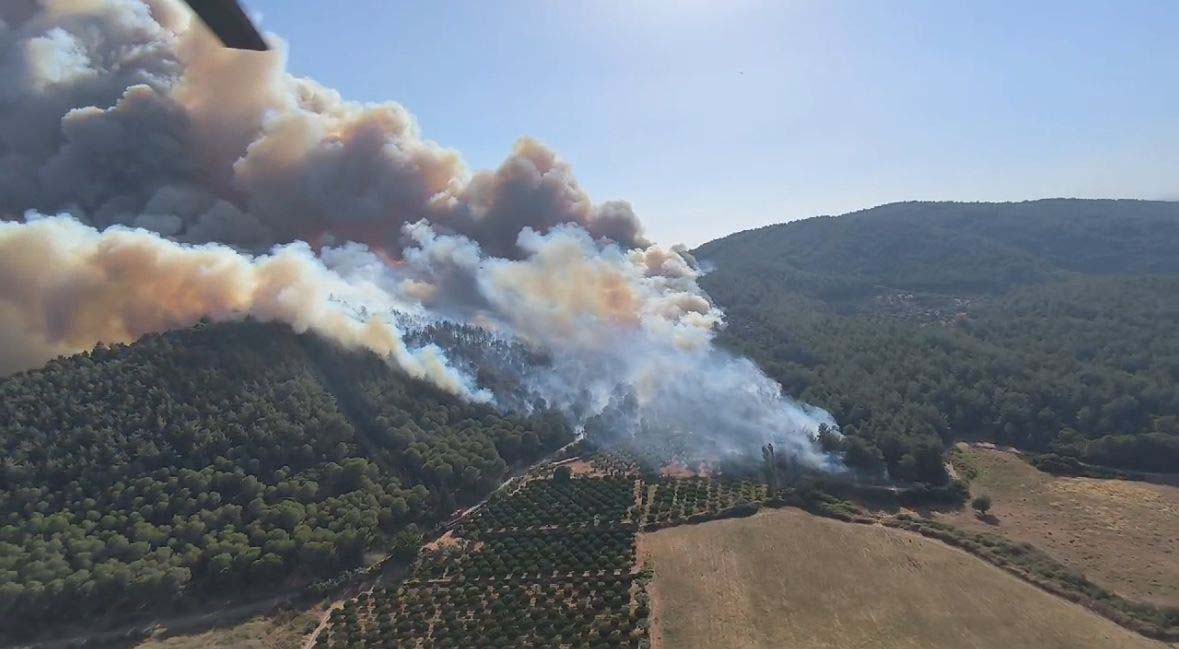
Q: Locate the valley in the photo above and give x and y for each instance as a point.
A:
(282, 368)
(236, 484)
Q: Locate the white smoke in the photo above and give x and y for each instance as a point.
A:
(629, 333)
(170, 157)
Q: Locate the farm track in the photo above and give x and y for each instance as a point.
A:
(127, 634)
(174, 624)
(560, 558)
(663, 502)
(506, 486)
(470, 582)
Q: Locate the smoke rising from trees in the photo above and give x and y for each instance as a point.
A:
(190, 181)
(72, 286)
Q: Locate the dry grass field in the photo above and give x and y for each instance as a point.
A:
(282, 631)
(785, 578)
(1123, 535)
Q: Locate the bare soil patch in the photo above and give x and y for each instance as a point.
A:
(282, 631)
(580, 467)
(682, 470)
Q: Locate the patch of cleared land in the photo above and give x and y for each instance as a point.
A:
(1122, 535)
(282, 631)
(785, 578)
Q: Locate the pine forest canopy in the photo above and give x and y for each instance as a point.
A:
(225, 458)
(1048, 325)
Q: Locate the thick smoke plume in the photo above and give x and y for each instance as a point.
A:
(76, 285)
(192, 182)
(126, 113)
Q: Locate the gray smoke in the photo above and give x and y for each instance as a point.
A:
(121, 112)
(190, 181)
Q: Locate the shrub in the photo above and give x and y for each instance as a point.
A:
(981, 504)
(562, 474)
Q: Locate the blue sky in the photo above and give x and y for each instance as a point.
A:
(711, 117)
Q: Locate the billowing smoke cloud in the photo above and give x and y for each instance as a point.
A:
(630, 334)
(68, 285)
(121, 112)
(192, 176)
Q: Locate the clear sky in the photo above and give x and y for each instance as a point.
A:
(711, 117)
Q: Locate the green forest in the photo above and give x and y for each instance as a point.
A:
(226, 459)
(243, 458)
(1045, 325)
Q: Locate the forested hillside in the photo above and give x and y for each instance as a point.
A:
(222, 459)
(1049, 325)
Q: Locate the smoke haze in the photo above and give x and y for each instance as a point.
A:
(150, 178)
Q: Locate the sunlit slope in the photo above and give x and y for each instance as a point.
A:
(788, 579)
(1122, 535)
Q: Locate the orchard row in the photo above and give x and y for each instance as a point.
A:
(548, 563)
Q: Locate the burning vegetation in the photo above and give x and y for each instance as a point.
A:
(153, 179)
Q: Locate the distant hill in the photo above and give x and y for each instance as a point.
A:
(226, 459)
(956, 247)
(1045, 324)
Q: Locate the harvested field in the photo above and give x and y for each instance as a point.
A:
(1122, 535)
(788, 579)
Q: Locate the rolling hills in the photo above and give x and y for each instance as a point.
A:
(956, 248)
(233, 460)
(1044, 324)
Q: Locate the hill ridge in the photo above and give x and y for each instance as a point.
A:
(1041, 324)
